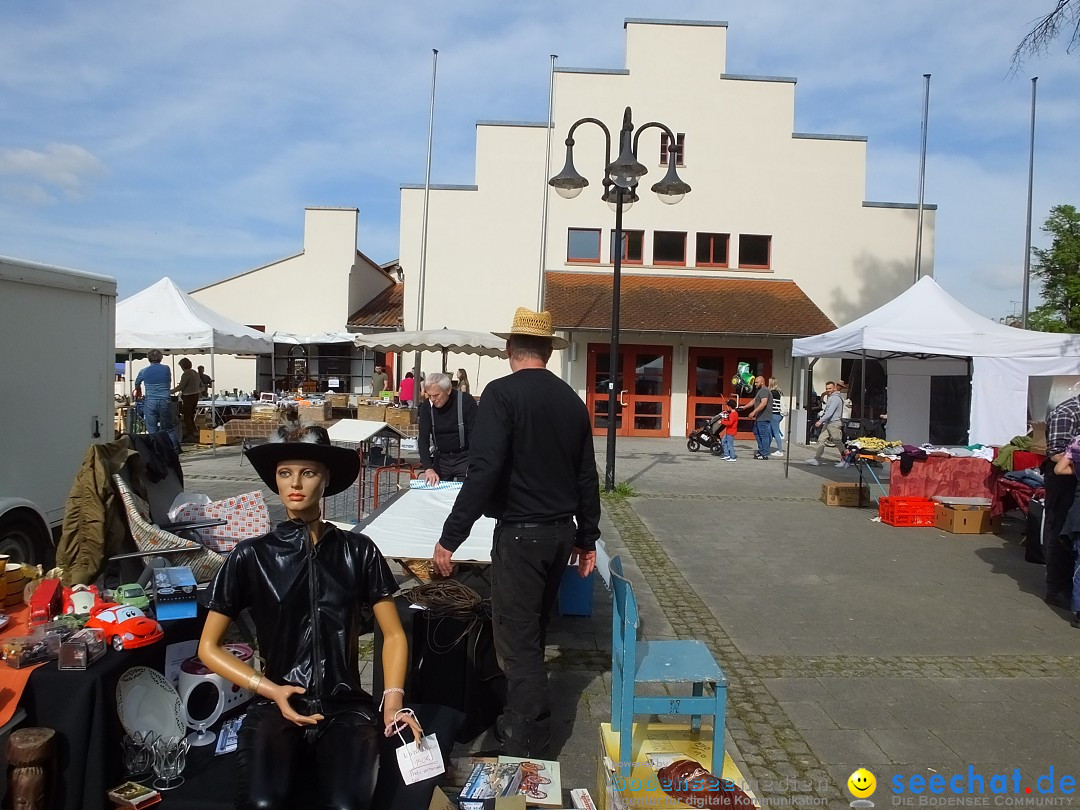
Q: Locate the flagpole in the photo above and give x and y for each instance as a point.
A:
(922, 178)
(547, 173)
(424, 225)
(1031, 179)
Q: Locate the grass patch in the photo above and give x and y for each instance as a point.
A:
(621, 492)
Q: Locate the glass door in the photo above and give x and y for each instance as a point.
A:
(642, 407)
(709, 383)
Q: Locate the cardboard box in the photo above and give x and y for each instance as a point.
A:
(1038, 438)
(488, 782)
(642, 787)
(835, 494)
(371, 413)
(315, 413)
(399, 417)
(219, 437)
(965, 518)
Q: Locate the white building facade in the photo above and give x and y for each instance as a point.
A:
(775, 241)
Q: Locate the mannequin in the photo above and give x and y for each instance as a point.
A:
(311, 727)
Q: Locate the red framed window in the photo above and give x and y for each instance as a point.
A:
(755, 251)
(633, 247)
(665, 142)
(669, 248)
(712, 249)
(583, 245)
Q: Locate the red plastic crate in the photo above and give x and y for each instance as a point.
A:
(898, 511)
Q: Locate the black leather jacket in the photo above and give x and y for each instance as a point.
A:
(306, 602)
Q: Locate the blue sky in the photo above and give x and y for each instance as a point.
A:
(141, 140)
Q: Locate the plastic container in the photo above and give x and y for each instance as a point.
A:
(900, 511)
(575, 593)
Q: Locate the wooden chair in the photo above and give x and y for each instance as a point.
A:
(634, 662)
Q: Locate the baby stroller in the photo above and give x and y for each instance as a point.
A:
(708, 435)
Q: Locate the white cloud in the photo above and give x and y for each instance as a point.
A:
(63, 165)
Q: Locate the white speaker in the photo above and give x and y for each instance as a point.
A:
(205, 695)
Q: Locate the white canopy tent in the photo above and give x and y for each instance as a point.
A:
(165, 317)
(925, 331)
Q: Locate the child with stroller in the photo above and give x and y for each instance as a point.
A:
(729, 421)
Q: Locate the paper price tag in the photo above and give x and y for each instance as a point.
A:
(418, 762)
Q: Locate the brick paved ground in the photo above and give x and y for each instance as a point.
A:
(848, 643)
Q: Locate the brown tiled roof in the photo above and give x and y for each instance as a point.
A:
(684, 304)
(385, 311)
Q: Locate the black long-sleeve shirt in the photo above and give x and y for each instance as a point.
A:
(441, 423)
(531, 459)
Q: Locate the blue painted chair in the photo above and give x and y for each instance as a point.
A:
(634, 662)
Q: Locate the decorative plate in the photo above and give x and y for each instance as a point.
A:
(146, 701)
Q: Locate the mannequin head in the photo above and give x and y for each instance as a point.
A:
(301, 483)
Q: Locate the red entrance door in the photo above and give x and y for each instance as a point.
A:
(642, 386)
(708, 383)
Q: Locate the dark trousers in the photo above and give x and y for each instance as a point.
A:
(189, 403)
(527, 565)
(332, 765)
(452, 466)
(1060, 490)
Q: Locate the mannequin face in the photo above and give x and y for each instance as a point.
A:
(300, 486)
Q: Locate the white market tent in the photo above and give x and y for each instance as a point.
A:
(165, 317)
(925, 331)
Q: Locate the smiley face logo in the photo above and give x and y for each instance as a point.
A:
(862, 784)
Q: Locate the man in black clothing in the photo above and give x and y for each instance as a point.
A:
(533, 469)
(1062, 426)
(446, 421)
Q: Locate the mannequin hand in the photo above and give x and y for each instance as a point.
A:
(281, 694)
(441, 558)
(403, 721)
(431, 477)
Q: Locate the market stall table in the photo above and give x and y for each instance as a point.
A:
(957, 476)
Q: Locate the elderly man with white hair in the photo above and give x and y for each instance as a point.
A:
(446, 426)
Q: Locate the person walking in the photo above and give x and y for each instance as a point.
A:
(729, 421)
(153, 384)
(446, 424)
(830, 422)
(188, 388)
(776, 416)
(761, 412)
(532, 468)
(1062, 426)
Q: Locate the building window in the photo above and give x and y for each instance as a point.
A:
(755, 251)
(665, 141)
(633, 247)
(712, 249)
(669, 247)
(583, 245)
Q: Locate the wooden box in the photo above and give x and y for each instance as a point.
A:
(371, 413)
(399, 417)
(315, 413)
(219, 437)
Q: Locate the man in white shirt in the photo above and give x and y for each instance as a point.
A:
(831, 423)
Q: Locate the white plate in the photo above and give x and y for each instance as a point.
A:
(146, 701)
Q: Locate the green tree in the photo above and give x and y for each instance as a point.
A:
(1058, 268)
(1062, 20)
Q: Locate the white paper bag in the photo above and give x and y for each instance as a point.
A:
(418, 762)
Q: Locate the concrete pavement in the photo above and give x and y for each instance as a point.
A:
(848, 643)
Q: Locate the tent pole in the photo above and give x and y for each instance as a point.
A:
(213, 406)
(790, 434)
(862, 385)
(131, 398)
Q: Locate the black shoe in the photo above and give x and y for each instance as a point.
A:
(1059, 600)
(499, 730)
(1075, 620)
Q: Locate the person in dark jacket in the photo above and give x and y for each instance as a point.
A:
(446, 424)
(306, 584)
(532, 468)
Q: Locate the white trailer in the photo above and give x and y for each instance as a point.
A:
(57, 331)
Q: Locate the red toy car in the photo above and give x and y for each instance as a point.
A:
(125, 626)
(81, 599)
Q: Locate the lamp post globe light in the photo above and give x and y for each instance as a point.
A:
(620, 183)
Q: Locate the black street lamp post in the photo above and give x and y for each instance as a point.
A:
(620, 187)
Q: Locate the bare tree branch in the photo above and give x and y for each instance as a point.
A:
(1046, 29)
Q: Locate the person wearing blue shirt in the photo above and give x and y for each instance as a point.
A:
(155, 381)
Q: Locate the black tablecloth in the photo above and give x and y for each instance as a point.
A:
(81, 707)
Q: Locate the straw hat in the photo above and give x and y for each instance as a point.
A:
(309, 443)
(534, 324)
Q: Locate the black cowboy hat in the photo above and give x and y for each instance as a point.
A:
(311, 443)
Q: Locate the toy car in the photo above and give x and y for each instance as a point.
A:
(125, 626)
(132, 595)
(81, 599)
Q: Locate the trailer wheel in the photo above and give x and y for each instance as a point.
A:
(21, 539)
(692, 445)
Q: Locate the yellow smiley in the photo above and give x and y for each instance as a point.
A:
(861, 784)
